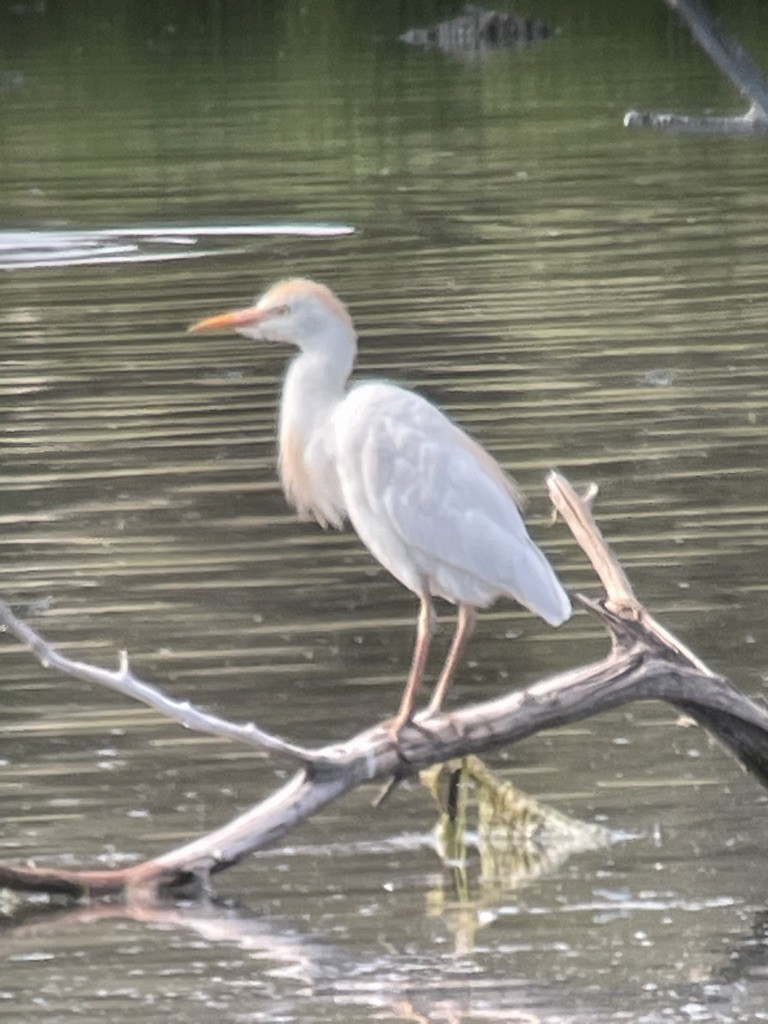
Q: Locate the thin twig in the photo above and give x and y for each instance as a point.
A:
(125, 682)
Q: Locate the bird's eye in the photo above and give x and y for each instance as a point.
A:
(283, 310)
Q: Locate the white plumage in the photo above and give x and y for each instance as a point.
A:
(426, 499)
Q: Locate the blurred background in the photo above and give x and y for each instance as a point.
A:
(577, 294)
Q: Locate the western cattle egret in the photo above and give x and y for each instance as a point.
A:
(426, 500)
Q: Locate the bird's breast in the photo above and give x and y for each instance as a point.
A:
(309, 478)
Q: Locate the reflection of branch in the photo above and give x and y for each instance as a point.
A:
(516, 836)
(214, 923)
(645, 662)
(734, 62)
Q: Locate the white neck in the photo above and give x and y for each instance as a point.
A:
(312, 389)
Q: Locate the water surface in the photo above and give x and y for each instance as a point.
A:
(577, 295)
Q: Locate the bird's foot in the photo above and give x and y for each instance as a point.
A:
(396, 727)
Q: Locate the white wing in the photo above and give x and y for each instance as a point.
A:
(434, 507)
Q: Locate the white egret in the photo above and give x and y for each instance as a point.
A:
(427, 500)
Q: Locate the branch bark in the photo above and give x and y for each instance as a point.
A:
(646, 662)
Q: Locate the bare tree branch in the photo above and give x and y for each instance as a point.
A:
(577, 512)
(735, 63)
(726, 52)
(646, 662)
(620, 598)
(125, 682)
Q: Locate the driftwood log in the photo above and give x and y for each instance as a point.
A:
(730, 57)
(645, 662)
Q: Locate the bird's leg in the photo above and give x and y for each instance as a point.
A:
(425, 629)
(465, 626)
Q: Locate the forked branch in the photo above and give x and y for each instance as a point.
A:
(646, 662)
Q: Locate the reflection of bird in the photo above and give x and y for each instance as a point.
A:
(427, 501)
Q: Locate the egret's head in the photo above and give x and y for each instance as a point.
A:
(299, 312)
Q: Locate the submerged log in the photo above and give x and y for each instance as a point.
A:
(478, 33)
(645, 662)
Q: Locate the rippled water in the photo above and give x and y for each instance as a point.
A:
(576, 294)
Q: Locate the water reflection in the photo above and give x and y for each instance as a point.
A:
(226, 959)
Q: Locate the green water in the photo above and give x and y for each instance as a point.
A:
(577, 295)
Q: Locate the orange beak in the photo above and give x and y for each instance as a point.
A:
(228, 321)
